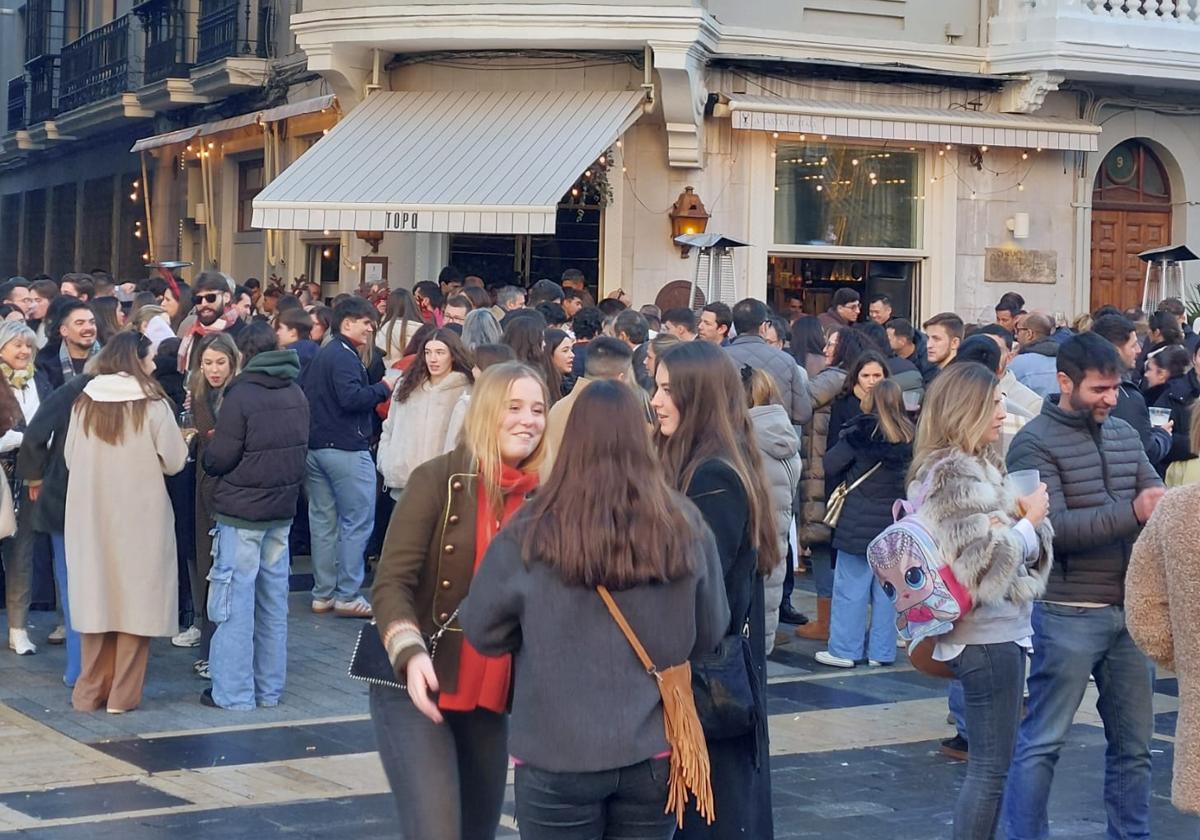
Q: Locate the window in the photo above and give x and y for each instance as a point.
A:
(836, 195)
(818, 279)
(250, 184)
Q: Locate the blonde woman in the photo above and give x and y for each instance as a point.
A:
(444, 741)
(999, 547)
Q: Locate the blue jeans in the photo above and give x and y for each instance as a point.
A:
(957, 704)
(991, 679)
(247, 601)
(60, 580)
(854, 589)
(626, 803)
(1070, 643)
(822, 570)
(341, 514)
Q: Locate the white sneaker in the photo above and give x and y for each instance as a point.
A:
(188, 638)
(18, 640)
(827, 658)
(58, 635)
(322, 605)
(358, 608)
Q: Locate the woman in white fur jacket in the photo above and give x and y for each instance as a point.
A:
(415, 428)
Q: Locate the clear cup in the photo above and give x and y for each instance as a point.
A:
(1024, 482)
(1159, 416)
(912, 400)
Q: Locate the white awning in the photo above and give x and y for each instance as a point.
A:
(914, 125)
(448, 162)
(279, 112)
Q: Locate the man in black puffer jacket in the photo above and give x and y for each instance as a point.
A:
(1102, 491)
(258, 452)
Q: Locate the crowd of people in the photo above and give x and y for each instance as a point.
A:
(561, 501)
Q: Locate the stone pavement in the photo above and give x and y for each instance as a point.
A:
(854, 754)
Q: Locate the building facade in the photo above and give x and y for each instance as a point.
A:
(941, 152)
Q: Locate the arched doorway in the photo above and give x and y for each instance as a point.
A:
(1131, 212)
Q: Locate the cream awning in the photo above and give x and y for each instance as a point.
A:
(279, 112)
(910, 124)
(448, 162)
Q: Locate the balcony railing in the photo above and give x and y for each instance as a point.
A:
(170, 27)
(16, 104)
(103, 63)
(43, 88)
(226, 28)
(1166, 12)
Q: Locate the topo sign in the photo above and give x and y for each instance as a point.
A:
(400, 220)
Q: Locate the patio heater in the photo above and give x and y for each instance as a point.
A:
(1165, 277)
(716, 258)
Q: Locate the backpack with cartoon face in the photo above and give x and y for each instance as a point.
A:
(909, 565)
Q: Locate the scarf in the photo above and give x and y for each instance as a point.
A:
(18, 378)
(198, 331)
(484, 681)
(68, 365)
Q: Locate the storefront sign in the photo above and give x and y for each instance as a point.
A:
(1015, 265)
(400, 220)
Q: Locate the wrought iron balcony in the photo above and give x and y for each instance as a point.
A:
(170, 27)
(16, 104)
(43, 88)
(105, 62)
(229, 28)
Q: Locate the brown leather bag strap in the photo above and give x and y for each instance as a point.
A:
(619, 617)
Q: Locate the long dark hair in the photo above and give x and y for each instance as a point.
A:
(401, 309)
(418, 372)
(714, 423)
(865, 358)
(850, 345)
(107, 324)
(108, 420)
(808, 336)
(620, 527)
(526, 335)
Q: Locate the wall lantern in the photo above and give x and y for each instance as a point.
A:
(688, 217)
(371, 237)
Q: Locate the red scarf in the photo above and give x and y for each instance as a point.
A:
(484, 681)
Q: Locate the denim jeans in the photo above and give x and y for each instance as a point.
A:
(448, 779)
(956, 703)
(991, 678)
(854, 589)
(341, 513)
(623, 804)
(822, 570)
(60, 582)
(247, 601)
(1070, 643)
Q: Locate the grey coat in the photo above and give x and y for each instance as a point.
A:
(1093, 472)
(780, 450)
(823, 389)
(790, 377)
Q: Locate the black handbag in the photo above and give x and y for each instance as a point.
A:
(369, 662)
(726, 690)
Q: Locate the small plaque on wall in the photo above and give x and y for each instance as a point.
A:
(375, 270)
(1015, 265)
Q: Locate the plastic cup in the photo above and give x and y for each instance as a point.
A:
(912, 400)
(1159, 416)
(1024, 482)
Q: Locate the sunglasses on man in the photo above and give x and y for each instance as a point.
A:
(211, 297)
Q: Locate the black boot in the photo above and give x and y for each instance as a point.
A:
(790, 615)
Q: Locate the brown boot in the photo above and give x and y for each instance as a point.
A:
(817, 631)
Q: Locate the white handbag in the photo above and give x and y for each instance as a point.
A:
(8, 512)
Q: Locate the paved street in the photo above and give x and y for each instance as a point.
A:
(854, 755)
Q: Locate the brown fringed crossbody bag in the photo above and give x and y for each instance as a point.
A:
(689, 752)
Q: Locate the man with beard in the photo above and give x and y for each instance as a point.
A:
(63, 359)
(213, 313)
(1102, 491)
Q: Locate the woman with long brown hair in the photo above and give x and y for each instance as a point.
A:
(123, 581)
(526, 335)
(421, 408)
(707, 445)
(443, 738)
(400, 320)
(587, 721)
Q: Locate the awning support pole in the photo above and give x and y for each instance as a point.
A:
(146, 201)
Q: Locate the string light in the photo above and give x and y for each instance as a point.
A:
(802, 137)
(775, 134)
(1020, 187)
(972, 195)
(983, 148)
(1025, 155)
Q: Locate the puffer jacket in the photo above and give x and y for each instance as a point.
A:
(415, 430)
(790, 377)
(1036, 367)
(780, 450)
(868, 509)
(260, 442)
(823, 388)
(1131, 407)
(1177, 394)
(1093, 473)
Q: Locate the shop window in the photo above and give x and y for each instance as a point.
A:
(857, 197)
(816, 280)
(250, 184)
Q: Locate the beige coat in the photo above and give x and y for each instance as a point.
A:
(120, 530)
(1162, 612)
(415, 430)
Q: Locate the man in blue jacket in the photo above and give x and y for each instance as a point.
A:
(340, 483)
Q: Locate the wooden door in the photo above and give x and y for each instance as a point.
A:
(1118, 236)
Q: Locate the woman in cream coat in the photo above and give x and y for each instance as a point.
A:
(122, 577)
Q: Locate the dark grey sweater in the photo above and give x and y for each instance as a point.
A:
(582, 702)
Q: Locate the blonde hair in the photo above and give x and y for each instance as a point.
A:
(1082, 323)
(481, 429)
(886, 402)
(957, 411)
(761, 389)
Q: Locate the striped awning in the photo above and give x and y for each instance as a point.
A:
(279, 112)
(448, 162)
(909, 124)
